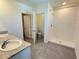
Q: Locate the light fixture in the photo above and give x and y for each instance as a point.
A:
(64, 3)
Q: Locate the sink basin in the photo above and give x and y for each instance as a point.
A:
(13, 44)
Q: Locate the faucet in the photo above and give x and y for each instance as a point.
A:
(4, 44)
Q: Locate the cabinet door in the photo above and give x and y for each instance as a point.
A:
(25, 54)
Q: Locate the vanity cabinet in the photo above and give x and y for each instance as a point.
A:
(24, 54)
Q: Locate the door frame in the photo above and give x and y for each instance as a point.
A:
(23, 14)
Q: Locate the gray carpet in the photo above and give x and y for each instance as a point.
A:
(51, 51)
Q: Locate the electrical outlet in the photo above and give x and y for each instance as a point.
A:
(60, 41)
(51, 25)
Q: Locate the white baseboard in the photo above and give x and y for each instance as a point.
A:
(65, 43)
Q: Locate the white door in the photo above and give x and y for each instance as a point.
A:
(27, 25)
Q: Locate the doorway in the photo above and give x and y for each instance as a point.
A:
(40, 27)
(27, 26)
(33, 29)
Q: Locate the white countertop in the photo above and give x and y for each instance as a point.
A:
(6, 55)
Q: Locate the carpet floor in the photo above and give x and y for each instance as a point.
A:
(50, 50)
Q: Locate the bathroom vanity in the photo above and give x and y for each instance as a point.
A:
(22, 52)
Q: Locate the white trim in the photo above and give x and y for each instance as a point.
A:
(64, 43)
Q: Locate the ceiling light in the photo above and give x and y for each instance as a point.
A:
(64, 3)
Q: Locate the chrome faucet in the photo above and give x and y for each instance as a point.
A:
(4, 44)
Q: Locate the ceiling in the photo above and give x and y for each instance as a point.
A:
(44, 3)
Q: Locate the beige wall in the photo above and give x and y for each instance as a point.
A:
(77, 36)
(64, 24)
(40, 22)
(10, 16)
